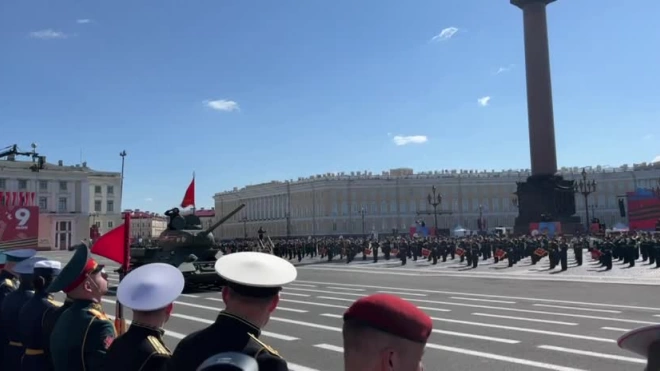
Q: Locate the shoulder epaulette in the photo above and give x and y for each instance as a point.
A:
(98, 314)
(268, 348)
(157, 346)
(9, 283)
(54, 302)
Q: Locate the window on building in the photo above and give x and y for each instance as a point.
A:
(344, 207)
(111, 190)
(63, 186)
(98, 224)
(3, 183)
(413, 206)
(393, 206)
(43, 203)
(97, 190)
(110, 224)
(62, 205)
(110, 206)
(43, 185)
(62, 235)
(22, 184)
(97, 206)
(383, 207)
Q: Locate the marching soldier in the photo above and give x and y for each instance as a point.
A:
(48, 324)
(10, 311)
(31, 317)
(251, 294)
(149, 291)
(83, 333)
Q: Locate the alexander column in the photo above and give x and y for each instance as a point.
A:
(545, 196)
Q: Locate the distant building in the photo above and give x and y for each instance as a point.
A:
(146, 225)
(71, 198)
(206, 216)
(335, 204)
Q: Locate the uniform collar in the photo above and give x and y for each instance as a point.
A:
(249, 326)
(84, 303)
(150, 330)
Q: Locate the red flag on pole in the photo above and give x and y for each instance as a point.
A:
(189, 196)
(111, 245)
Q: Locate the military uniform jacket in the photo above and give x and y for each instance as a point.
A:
(141, 348)
(229, 333)
(11, 308)
(7, 285)
(51, 315)
(30, 328)
(81, 337)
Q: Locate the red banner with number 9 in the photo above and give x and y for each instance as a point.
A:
(19, 227)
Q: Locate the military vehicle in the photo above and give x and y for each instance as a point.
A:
(186, 246)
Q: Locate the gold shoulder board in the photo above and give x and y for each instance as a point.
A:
(157, 346)
(267, 347)
(55, 302)
(98, 314)
(9, 283)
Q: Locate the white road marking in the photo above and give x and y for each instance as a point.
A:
(401, 293)
(190, 296)
(615, 329)
(473, 336)
(525, 319)
(331, 315)
(343, 288)
(593, 354)
(554, 301)
(314, 304)
(285, 309)
(351, 300)
(523, 329)
(306, 324)
(295, 294)
(330, 347)
(301, 285)
(576, 308)
(484, 300)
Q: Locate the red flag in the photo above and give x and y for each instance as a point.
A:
(189, 196)
(111, 245)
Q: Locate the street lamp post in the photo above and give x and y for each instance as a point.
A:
(585, 187)
(362, 213)
(435, 200)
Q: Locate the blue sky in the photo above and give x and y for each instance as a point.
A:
(246, 91)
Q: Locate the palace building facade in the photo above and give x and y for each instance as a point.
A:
(357, 203)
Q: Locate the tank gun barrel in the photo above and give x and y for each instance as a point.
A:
(224, 219)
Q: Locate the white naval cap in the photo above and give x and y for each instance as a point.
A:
(151, 287)
(48, 264)
(639, 340)
(27, 266)
(255, 273)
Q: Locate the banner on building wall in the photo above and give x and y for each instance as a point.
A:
(549, 229)
(19, 227)
(643, 210)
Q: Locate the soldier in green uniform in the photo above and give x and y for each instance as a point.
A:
(149, 291)
(9, 283)
(83, 333)
(48, 324)
(251, 294)
(30, 319)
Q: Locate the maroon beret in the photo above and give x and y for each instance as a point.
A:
(391, 314)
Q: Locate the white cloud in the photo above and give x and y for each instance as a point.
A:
(445, 34)
(504, 69)
(48, 34)
(656, 159)
(222, 105)
(483, 101)
(400, 140)
(83, 21)
(149, 199)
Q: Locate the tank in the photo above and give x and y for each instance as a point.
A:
(186, 246)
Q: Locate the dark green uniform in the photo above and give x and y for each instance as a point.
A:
(141, 348)
(48, 324)
(30, 329)
(9, 314)
(81, 337)
(7, 285)
(229, 333)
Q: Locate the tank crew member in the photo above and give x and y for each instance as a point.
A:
(30, 323)
(83, 333)
(384, 329)
(254, 281)
(10, 311)
(644, 341)
(149, 291)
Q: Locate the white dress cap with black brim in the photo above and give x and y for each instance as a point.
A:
(639, 340)
(47, 267)
(151, 287)
(255, 274)
(27, 266)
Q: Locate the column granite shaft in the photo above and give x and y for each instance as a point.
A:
(543, 151)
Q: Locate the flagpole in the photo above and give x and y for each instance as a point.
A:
(194, 206)
(120, 323)
(121, 184)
